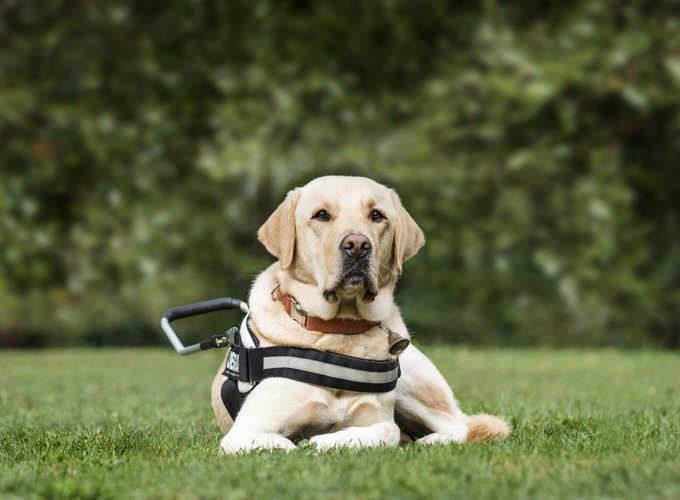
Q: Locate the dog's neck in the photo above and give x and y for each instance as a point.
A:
(311, 299)
(273, 326)
(342, 326)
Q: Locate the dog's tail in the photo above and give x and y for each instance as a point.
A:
(483, 427)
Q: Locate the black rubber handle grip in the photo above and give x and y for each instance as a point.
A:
(206, 306)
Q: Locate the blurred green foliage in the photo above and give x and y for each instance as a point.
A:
(537, 144)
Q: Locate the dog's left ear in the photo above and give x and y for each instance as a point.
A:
(408, 237)
(278, 233)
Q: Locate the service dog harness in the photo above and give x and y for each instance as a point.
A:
(248, 363)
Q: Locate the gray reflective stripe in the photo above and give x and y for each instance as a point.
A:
(321, 368)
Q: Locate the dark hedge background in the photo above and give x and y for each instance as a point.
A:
(537, 144)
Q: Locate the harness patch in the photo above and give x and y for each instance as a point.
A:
(231, 369)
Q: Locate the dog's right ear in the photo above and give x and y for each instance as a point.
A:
(278, 233)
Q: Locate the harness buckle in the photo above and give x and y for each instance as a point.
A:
(231, 336)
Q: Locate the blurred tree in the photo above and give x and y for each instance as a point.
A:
(143, 144)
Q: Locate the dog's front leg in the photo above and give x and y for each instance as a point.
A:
(276, 408)
(379, 434)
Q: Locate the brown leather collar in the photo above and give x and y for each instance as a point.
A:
(339, 325)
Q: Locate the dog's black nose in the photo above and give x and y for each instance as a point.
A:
(356, 246)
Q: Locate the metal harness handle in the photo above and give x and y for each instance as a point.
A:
(207, 306)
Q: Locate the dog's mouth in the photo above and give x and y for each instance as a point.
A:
(354, 281)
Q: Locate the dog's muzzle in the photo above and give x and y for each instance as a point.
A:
(356, 251)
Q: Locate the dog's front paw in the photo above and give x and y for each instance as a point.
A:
(341, 439)
(380, 434)
(456, 434)
(324, 442)
(242, 442)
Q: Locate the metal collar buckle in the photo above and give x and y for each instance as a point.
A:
(298, 313)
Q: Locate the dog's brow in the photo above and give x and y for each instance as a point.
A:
(321, 206)
(373, 204)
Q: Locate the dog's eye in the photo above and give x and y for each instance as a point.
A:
(322, 215)
(377, 216)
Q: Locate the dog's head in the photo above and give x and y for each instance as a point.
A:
(348, 236)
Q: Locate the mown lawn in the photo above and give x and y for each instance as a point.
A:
(138, 424)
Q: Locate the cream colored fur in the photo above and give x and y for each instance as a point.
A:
(309, 267)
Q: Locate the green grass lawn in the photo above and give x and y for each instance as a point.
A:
(138, 424)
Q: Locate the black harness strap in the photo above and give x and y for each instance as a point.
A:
(231, 397)
(327, 369)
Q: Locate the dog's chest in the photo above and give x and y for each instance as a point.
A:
(336, 410)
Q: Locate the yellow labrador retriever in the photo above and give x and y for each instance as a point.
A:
(341, 243)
